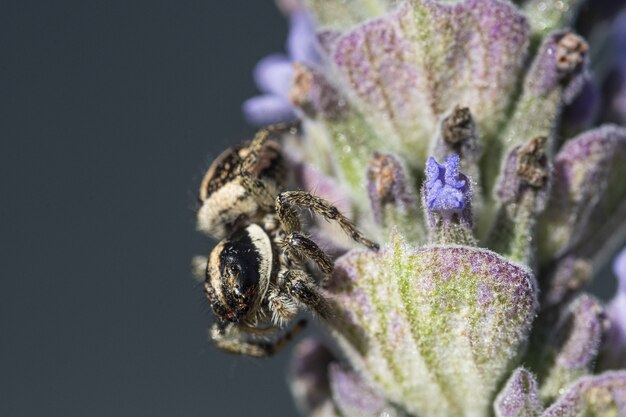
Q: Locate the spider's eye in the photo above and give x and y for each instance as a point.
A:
(239, 282)
(232, 270)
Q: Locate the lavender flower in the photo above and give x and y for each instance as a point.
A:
(444, 191)
(447, 201)
(274, 74)
(475, 305)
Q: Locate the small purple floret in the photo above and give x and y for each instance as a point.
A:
(520, 396)
(274, 74)
(301, 40)
(446, 193)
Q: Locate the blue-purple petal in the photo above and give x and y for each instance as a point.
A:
(445, 191)
(301, 41)
(274, 74)
(267, 109)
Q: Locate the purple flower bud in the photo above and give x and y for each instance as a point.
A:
(519, 397)
(446, 190)
(581, 328)
(560, 62)
(555, 78)
(600, 395)
(446, 197)
(308, 375)
(352, 396)
(323, 388)
(585, 168)
(573, 344)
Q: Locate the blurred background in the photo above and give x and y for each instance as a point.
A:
(110, 112)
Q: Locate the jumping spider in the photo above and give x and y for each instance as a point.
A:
(256, 278)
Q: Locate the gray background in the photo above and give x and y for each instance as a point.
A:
(110, 111)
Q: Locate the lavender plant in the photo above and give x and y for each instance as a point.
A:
(459, 134)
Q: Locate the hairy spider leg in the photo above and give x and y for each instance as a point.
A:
(290, 222)
(304, 248)
(301, 286)
(231, 339)
(255, 186)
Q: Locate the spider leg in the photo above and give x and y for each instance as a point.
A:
(258, 331)
(258, 189)
(301, 286)
(252, 184)
(248, 177)
(282, 306)
(286, 201)
(255, 149)
(304, 248)
(232, 340)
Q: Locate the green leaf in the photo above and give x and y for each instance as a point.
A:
(436, 329)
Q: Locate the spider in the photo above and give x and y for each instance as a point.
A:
(256, 278)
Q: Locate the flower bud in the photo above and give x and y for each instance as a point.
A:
(573, 345)
(447, 200)
(599, 395)
(519, 397)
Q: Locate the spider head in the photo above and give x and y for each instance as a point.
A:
(238, 273)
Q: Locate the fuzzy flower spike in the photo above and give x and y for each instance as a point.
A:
(475, 305)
